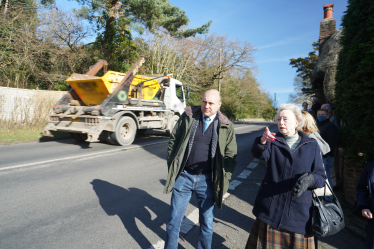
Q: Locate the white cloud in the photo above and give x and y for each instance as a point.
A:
(285, 41)
(279, 59)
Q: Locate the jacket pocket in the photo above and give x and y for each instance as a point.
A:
(301, 207)
(265, 197)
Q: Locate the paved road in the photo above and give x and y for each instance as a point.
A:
(65, 194)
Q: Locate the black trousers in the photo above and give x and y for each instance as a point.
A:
(370, 234)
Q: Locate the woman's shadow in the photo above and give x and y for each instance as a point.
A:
(129, 204)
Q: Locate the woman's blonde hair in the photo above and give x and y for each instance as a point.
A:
(296, 110)
(309, 123)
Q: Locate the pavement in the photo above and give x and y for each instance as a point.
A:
(68, 194)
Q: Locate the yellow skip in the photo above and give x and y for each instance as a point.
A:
(93, 90)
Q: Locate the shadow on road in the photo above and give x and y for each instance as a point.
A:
(129, 205)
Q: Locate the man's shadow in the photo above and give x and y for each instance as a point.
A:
(129, 204)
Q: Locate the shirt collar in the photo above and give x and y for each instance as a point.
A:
(211, 117)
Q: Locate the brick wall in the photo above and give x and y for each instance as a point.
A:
(349, 173)
(327, 28)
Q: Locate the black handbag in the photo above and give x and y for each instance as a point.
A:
(327, 217)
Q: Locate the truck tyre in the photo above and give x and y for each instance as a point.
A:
(125, 131)
(107, 137)
(172, 123)
(79, 136)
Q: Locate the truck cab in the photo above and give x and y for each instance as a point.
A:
(175, 98)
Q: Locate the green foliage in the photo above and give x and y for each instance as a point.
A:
(115, 19)
(305, 67)
(354, 88)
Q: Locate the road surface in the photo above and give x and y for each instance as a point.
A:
(68, 194)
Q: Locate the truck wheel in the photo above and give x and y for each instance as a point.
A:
(107, 137)
(79, 136)
(173, 121)
(125, 131)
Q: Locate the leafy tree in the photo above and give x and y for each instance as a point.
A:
(354, 89)
(116, 18)
(305, 67)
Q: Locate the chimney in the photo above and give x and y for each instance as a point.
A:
(328, 24)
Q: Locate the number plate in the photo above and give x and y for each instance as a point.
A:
(75, 120)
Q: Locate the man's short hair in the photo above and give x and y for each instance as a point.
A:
(327, 106)
(305, 103)
(323, 110)
(315, 100)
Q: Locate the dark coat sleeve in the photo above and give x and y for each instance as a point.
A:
(175, 138)
(362, 192)
(318, 170)
(332, 137)
(261, 151)
(230, 150)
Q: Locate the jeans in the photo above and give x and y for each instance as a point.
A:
(185, 185)
(329, 163)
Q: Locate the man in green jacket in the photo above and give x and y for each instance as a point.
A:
(201, 158)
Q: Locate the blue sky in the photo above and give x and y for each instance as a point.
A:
(280, 29)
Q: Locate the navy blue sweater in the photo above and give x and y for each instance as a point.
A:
(275, 204)
(200, 161)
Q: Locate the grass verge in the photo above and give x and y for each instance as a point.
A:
(25, 135)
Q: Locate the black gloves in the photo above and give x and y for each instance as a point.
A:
(305, 181)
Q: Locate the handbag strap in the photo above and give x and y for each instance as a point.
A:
(335, 199)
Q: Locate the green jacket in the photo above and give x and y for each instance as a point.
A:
(224, 163)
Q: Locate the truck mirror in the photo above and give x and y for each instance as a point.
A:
(166, 82)
(187, 92)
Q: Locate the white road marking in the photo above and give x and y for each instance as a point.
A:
(252, 165)
(245, 174)
(159, 245)
(256, 160)
(78, 157)
(234, 184)
(190, 221)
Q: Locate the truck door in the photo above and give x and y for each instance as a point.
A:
(178, 102)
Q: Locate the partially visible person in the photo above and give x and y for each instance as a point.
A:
(315, 106)
(311, 130)
(365, 199)
(331, 116)
(329, 133)
(305, 107)
(284, 200)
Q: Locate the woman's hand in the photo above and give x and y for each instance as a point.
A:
(367, 214)
(267, 136)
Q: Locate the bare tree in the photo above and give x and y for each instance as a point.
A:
(40, 52)
(299, 97)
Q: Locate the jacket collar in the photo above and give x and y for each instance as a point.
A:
(304, 138)
(323, 122)
(196, 110)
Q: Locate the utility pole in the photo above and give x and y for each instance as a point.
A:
(275, 101)
(219, 79)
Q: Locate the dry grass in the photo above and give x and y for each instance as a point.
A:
(26, 120)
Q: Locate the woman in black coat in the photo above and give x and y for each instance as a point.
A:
(365, 199)
(284, 201)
